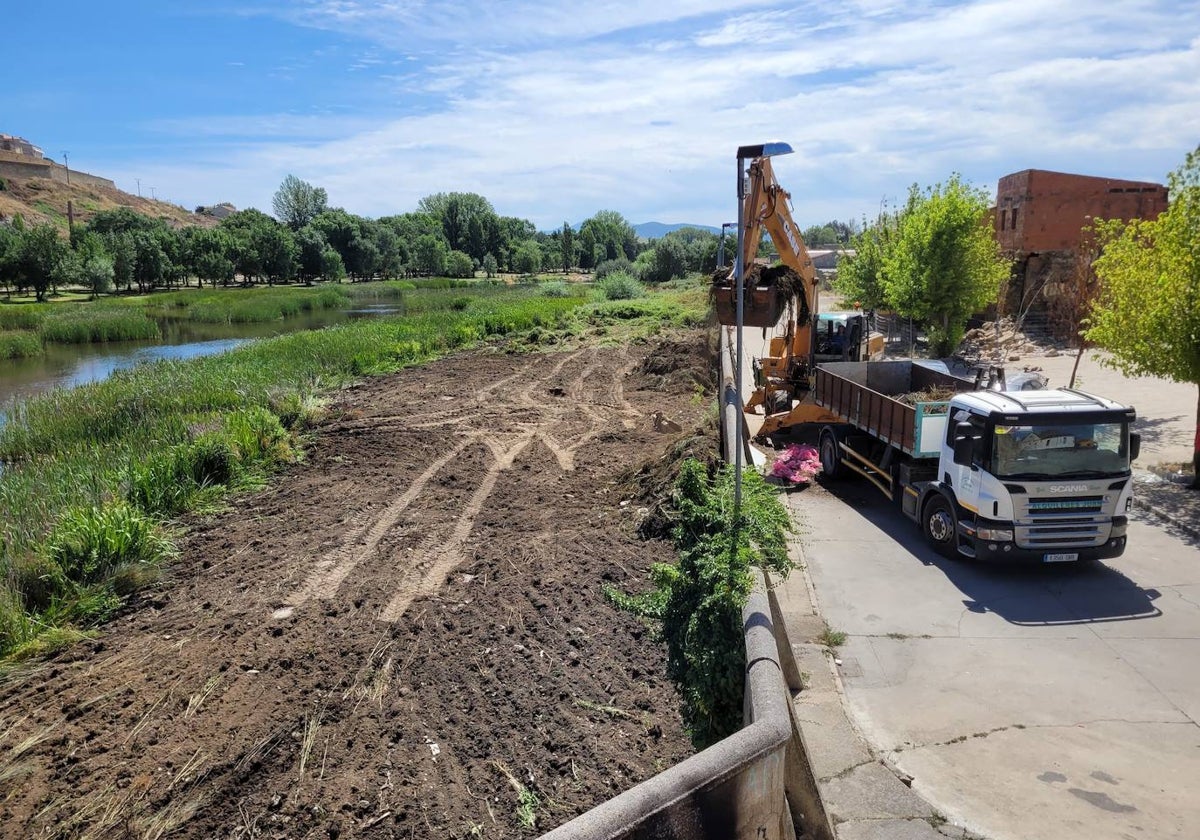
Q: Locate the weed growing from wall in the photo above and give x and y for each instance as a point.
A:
(699, 600)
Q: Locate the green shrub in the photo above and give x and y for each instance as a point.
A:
(607, 267)
(556, 289)
(257, 437)
(620, 286)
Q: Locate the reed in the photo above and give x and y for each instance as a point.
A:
(246, 306)
(85, 323)
(26, 316)
(19, 344)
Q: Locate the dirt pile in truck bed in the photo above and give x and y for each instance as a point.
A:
(405, 637)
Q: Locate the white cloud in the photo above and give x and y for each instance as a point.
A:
(554, 111)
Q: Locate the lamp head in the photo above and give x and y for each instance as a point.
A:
(764, 150)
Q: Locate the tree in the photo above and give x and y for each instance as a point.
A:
(96, 272)
(211, 256)
(566, 238)
(860, 273)
(95, 265)
(527, 259)
(120, 246)
(610, 230)
(667, 260)
(298, 202)
(465, 218)
(489, 265)
(429, 254)
(936, 261)
(277, 251)
(1147, 314)
(38, 256)
(10, 241)
(311, 244)
(460, 264)
(331, 265)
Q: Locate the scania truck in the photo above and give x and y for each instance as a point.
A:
(1039, 476)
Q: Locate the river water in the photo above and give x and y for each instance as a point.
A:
(68, 365)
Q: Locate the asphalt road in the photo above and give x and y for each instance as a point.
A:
(1027, 702)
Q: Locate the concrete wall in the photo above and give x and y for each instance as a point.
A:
(1040, 211)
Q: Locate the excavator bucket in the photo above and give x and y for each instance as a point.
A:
(767, 294)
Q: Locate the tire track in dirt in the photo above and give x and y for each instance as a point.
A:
(427, 573)
(335, 566)
(202, 707)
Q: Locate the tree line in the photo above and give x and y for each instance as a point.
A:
(450, 234)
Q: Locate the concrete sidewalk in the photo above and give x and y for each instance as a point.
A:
(865, 793)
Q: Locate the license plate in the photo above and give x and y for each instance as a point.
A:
(1060, 558)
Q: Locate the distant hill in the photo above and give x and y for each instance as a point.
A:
(41, 200)
(656, 230)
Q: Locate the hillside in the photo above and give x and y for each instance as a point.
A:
(41, 200)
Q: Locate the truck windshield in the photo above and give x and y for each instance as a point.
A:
(1065, 450)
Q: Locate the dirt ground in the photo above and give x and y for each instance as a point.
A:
(405, 636)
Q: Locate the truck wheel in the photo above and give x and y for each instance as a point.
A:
(940, 527)
(831, 455)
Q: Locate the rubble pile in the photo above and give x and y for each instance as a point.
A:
(1002, 341)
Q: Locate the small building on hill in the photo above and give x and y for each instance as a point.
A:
(19, 146)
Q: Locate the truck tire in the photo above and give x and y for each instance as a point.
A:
(940, 525)
(831, 454)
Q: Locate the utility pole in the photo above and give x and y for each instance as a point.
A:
(139, 183)
(67, 166)
(152, 194)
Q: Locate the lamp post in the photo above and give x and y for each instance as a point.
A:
(721, 248)
(67, 166)
(744, 152)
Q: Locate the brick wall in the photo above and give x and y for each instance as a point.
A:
(1039, 211)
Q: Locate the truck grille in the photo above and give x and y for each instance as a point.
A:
(1064, 522)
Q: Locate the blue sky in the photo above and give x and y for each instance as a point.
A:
(556, 110)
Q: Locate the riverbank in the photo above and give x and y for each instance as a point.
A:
(99, 462)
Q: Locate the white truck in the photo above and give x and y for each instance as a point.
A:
(1038, 476)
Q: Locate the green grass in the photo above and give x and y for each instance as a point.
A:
(159, 439)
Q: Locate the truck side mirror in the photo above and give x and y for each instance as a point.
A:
(1135, 445)
(964, 449)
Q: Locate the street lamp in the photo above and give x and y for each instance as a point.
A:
(67, 166)
(721, 248)
(744, 152)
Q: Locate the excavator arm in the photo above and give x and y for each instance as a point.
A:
(766, 206)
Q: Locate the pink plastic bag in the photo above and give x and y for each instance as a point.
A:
(798, 464)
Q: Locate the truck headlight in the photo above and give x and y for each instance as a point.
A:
(1119, 525)
(995, 534)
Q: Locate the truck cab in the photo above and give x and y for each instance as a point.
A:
(1041, 476)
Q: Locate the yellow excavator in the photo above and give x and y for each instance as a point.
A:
(784, 376)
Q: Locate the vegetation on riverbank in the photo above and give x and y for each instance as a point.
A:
(95, 471)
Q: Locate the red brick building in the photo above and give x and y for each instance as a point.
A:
(1039, 211)
(1039, 221)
